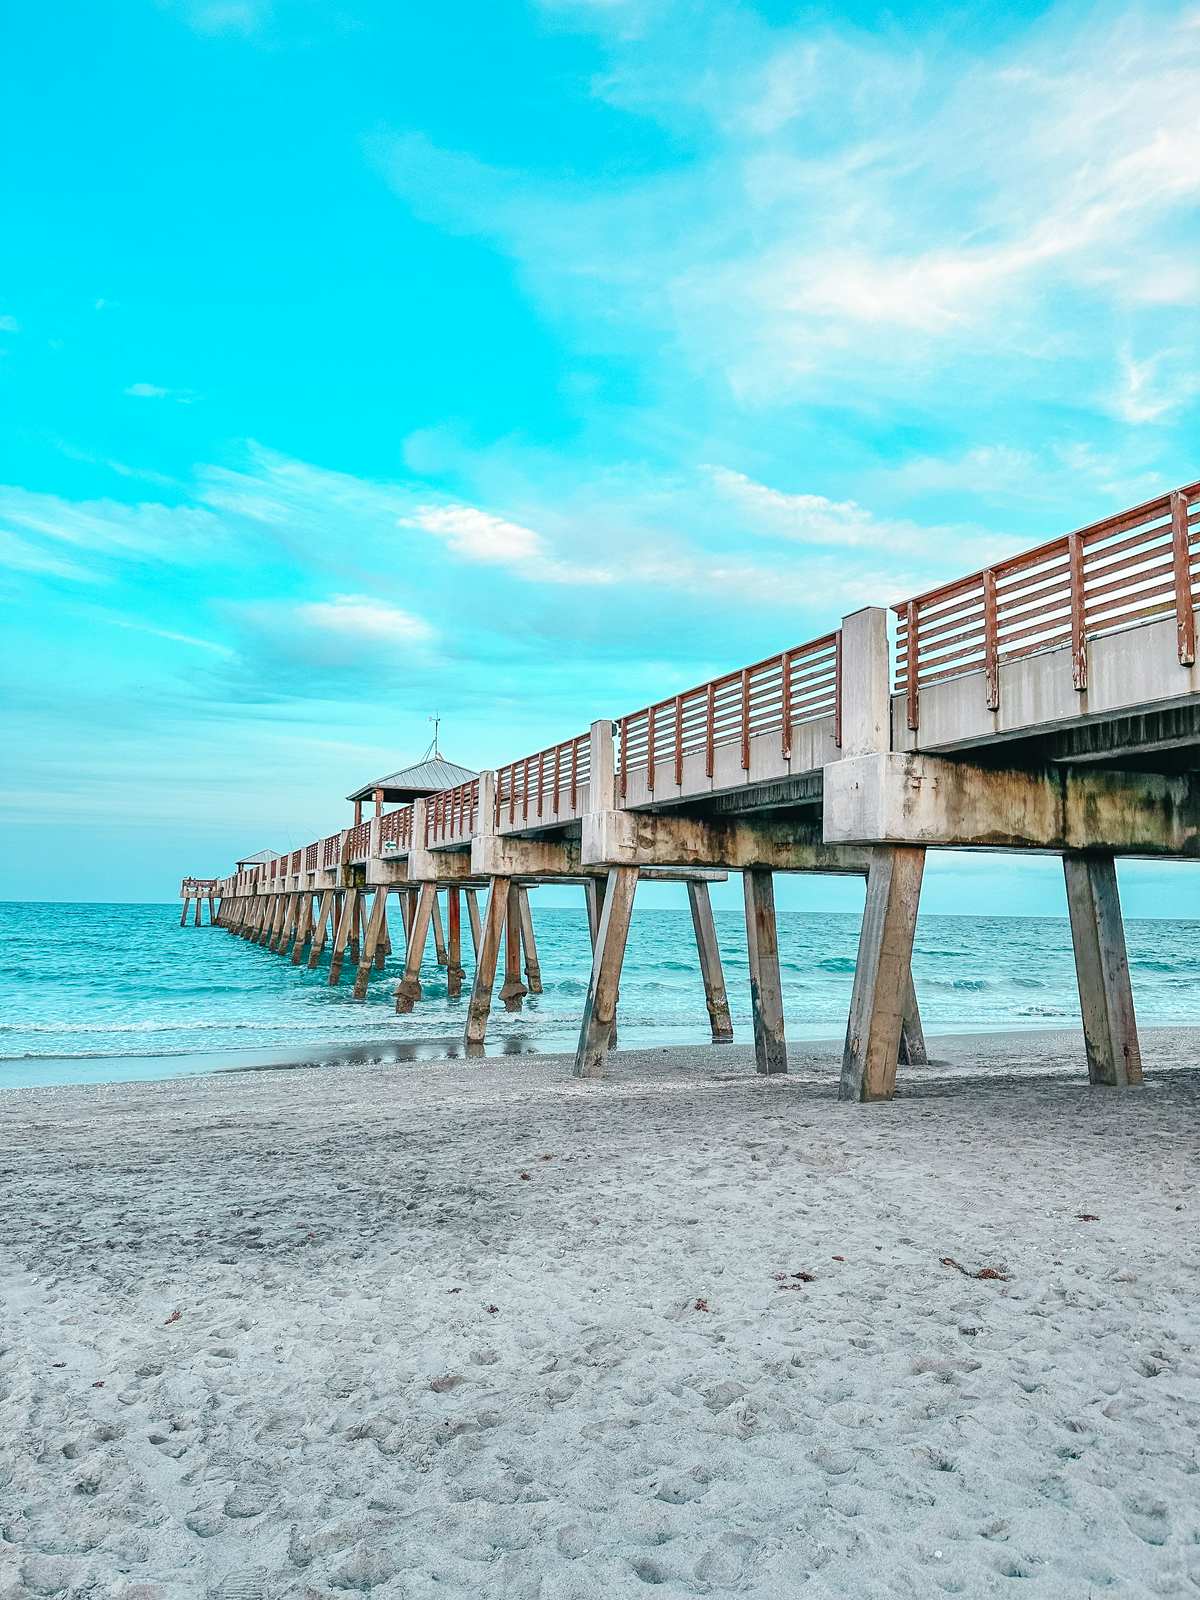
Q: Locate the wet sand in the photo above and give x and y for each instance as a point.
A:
(475, 1327)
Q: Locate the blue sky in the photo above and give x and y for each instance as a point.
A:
(528, 362)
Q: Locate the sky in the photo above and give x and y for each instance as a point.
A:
(524, 363)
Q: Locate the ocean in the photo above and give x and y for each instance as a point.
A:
(96, 993)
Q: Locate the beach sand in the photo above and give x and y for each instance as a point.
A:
(476, 1328)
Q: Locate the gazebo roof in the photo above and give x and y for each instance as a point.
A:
(260, 857)
(426, 777)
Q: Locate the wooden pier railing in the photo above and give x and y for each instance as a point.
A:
(395, 830)
(1126, 569)
(770, 697)
(550, 783)
(450, 815)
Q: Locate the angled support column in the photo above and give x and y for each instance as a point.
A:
(487, 955)
(533, 967)
(473, 918)
(512, 991)
(303, 928)
(384, 948)
(356, 920)
(275, 926)
(1102, 969)
(600, 1012)
(408, 990)
(341, 938)
(766, 989)
(291, 912)
(454, 967)
(183, 914)
(913, 1052)
(371, 937)
(709, 951)
(199, 905)
(439, 937)
(324, 911)
(212, 911)
(882, 973)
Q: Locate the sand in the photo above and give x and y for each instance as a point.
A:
(479, 1329)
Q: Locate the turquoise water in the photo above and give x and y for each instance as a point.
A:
(99, 992)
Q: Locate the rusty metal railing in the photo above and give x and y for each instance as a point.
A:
(1125, 569)
(451, 815)
(547, 784)
(771, 697)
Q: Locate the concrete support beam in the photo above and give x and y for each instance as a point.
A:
(512, 991)
(659, 839)
(324, 913)
(349, 912)
(473, 918)
(487, 955)
(913, 1052)
(1102, 969)
(454, 966)
(371, 937)
(303, 928)
(533, 967)
(866, 683)
(766, 988)
(600, 1010)
(882, 975)
(408, 990)
(931, 801)
(709, 952)
(439, 937)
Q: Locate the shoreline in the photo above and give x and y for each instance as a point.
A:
(954, 1053)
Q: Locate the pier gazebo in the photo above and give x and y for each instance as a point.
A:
(425, 777)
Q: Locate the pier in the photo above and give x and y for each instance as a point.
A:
(1049, 703)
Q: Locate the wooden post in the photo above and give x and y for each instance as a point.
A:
(370, 942)
(275, 926)
(454, 967)
(882, 974)
(600, 1011)
(384, 948)
(408, 990)
(212, 911)
(594, 891)
(407, 900)
(439, 938)
(356, 928)
(473, 918)
(341, 938)
(487, 954)
(1102, 969)
(186, 907)
(1079, 661)
(1181, 552)
(303, 928)
(324, 912)
(512, 991)
(196, 919)
(533, 968)
(766, 989)
(913, 1052)
(709, 951)
(290, 911)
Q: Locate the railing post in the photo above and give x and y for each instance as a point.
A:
(991, 641)
(911, 656)
(837, 687)
(678, 741)
(624, 756)
(1185, 614)
(557, 775)
(1078, 614)
(710, 717)
(649, 749)
(541, 781)
(745, 719)
(785, 696)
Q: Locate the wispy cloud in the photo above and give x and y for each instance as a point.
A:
(20, 555)
(363, 618)
(155, 391)
(9, 324)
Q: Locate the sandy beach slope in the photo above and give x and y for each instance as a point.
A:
(478, 1329)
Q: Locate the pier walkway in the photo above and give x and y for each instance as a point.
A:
(1050, 702)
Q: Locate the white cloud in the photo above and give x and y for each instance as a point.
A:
(169, 634)
(19, 555)
(1148, 390)
(363, 617)
(9, 324)
(154, 391)
(478, 535)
